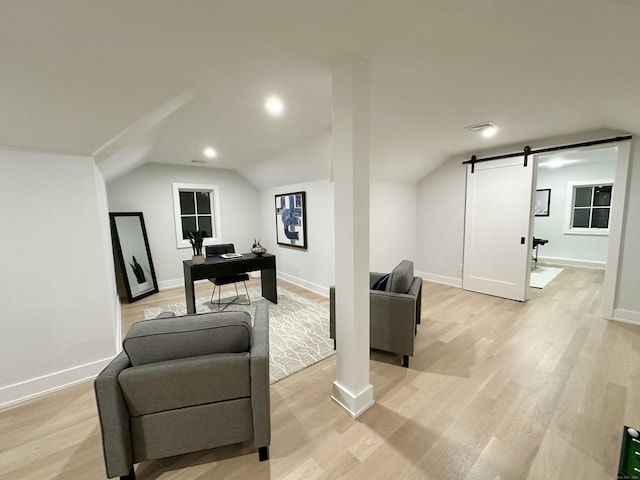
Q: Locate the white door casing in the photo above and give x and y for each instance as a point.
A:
(498, 228)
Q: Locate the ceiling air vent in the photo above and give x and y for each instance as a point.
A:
(480, 127)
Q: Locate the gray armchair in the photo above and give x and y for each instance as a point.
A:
(394, 312)
(185, 384)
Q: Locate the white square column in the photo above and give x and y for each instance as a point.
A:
(350, 162)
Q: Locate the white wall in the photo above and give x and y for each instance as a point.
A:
(627, 304)
(148, 189)
(312, 268)
(440, 220)
(564, 248)
(59, 314)
(392, 231)
(392, 224)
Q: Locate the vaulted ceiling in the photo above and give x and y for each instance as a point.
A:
(158, 80)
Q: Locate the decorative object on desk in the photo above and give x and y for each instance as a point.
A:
(298, 327)
(196, 239)
(131, 248)
(257, 248)
(543, 199)
(137, 271)
(230, 255)
(291, 220)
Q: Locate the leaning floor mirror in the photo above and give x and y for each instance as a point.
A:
(134, 269)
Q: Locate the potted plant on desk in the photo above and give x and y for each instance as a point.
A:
(196, 239)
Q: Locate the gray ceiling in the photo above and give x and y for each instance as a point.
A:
(154, 80)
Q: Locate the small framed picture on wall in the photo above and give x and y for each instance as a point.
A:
(543, 199)
(291, 220)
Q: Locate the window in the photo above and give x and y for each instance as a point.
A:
(590, 207)
(196, 207)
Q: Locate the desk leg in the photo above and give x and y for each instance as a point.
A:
(269, 285)
(189, 291)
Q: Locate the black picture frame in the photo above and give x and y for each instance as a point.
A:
(135, 275)
(291, 219)
(542, 202)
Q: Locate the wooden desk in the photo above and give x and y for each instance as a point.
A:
(218, 267)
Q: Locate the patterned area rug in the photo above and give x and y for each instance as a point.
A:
(298, 328)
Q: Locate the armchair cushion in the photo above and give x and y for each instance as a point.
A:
(158, 340)
(401, 277)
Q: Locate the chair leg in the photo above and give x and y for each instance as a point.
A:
(234, 301)
(405, 361)
(247, 292)
(263, 453)
(130, 476)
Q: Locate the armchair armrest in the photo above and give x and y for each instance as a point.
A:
(114, 418)
(393, 317)
(332, 312)
(416, 290)
(260, 381)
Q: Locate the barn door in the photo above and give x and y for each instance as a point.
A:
(498, 228)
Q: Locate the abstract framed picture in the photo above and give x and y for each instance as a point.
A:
(291, 220)
(543, 199)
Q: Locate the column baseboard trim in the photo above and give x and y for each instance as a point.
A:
(354, 405)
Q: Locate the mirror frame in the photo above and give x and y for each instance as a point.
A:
(141, 270)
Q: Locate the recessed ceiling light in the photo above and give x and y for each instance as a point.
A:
(210, 152)
(487, 129)
(274, 106)
(489, 132)
(556, 162)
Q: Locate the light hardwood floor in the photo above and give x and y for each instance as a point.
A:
(496, 390)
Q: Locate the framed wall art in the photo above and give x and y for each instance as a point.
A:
(291, 220)
(543, 199)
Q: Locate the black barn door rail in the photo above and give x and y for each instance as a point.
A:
(526, 151)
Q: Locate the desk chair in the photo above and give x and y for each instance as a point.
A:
(218, 282)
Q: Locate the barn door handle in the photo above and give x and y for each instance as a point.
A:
(521, 240)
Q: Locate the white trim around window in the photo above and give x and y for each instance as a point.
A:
(569, 230)
(214, 197)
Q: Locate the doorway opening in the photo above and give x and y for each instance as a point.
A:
(572, 211)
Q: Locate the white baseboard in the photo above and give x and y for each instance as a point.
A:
(319, 289)
(572, 262)
(36, 387)
(432, 277)
(173, 283)
(626, 316)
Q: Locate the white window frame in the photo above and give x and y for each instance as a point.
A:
(569, 230)
(214, 197)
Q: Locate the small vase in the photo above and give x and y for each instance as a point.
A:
(258, 250)
(197, 259)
